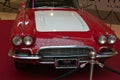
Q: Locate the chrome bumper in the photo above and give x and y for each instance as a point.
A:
(36, 57)
(56, 60)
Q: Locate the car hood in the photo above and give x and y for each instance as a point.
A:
(61, 28)
(47, 21)
(47, 39)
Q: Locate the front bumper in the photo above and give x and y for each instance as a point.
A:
(36, 57)
(56, 59)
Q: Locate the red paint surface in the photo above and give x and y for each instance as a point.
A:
(9, 72)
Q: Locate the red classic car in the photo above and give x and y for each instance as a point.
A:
(59, 32)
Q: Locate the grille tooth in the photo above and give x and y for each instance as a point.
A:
(62, 52)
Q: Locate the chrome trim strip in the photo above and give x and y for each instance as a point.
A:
(70, 46)
(47, 62)
(66, 56)
(54, 62)
(38, 57)
(28, 57)
(103, 47)
(65, 67)
(107, 55)
(83, 61)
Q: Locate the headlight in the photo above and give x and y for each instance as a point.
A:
(102, 39)
(17, 40)
(28, 40)
(111, 39)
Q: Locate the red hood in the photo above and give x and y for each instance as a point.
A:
(64, 39)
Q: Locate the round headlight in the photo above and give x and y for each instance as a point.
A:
(102, 39)
(28, 40)
(17, 40)
(111, 39)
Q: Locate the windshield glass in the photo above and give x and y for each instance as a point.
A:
(52, 3)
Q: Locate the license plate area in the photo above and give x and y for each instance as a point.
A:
(66, 63)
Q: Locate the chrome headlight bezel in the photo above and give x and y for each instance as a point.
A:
(28, 40)
(112, 39)
(17, 40)
(102, 39)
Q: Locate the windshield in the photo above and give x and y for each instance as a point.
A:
(52, 3)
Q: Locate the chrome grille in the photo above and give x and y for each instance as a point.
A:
(65, 51)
